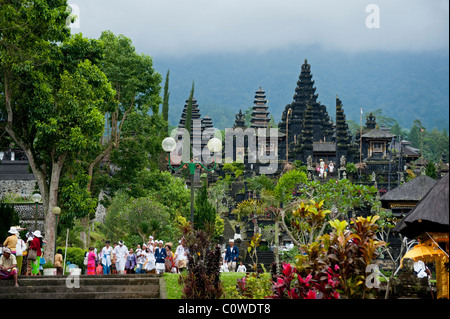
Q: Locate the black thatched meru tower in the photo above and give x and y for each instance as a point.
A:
(301, 127)
(260, 114)
(343, 138)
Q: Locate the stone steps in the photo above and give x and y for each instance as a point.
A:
(83, 287)
(264, 257)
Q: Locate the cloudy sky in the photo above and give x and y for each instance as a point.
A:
(178, 28)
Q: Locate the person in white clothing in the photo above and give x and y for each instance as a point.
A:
(141, 257)
(149, 263)
(242, 268)
(181, 255)
(105, 257)
(223, 267)
(421, 269)
(120, 253)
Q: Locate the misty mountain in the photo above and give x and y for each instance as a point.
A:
(406, 86)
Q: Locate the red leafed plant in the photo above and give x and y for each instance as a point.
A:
(292, 285)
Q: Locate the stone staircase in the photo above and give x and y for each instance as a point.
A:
(264, 257)
(131, 286)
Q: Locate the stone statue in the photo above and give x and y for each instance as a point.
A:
(309, 162)
(407, 284)
(343, 161)
(374, 177)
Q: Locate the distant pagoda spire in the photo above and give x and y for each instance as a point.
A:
(195, 113)
(207, 130)
(371, 121)
(260, 114)
(307, 131)
(319, 120)
(343, 139)
(240, 120)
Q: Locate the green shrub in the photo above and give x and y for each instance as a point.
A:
(252, 286)
(74, 255)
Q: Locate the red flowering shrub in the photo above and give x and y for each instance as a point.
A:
(292, 285)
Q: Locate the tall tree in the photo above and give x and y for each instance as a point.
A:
(188, 121)
(165, 106)
(53, 95)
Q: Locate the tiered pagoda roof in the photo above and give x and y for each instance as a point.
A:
(260, 114)
(240, 121)
(305, 126)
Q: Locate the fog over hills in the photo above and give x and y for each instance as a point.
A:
(406, 86)
(389, 55)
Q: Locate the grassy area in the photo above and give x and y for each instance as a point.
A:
(174, 289)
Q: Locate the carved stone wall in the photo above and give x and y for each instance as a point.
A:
(27, 215)
(23, 188)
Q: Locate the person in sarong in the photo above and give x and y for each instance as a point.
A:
(120, 253)
(8, 266)
(131, 262)
(92, 257)
(149, 264)
(36, 244)
(105, 256)
(160, 256)
(181, 255)
(169, 263)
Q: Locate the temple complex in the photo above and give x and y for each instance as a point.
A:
(308, 129)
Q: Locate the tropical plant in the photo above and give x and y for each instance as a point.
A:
(291, 284)
(252, 286)
(202, 280)
(255, 241)
(305, 222)
(352, 248)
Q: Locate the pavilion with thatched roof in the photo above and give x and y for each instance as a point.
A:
(405, 197)
(429, 221)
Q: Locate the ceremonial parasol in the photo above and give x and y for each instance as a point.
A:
(424, 252)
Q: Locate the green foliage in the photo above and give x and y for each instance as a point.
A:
(141, 217)
(352, 250)
(8, 218)
(287, 183)
(251, 286)
(430, 171)
(252, 246)
(341, 197)
(165, 106)
(202, 280)
(188, 120)
(248, 208)
(74, 255)
(351, 168)
(75, 200)
(205, 212)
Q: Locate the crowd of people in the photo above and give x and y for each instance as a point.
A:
(15, 251)
(324, 169)
(151, 257)
(155, 256)
(18, 257)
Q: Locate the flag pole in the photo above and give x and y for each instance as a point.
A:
(421, 143)
(360, 143)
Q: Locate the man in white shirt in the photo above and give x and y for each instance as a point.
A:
(120, 253)
(105, 256)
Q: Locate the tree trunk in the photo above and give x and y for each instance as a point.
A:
(52, 201)
(277, 242)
